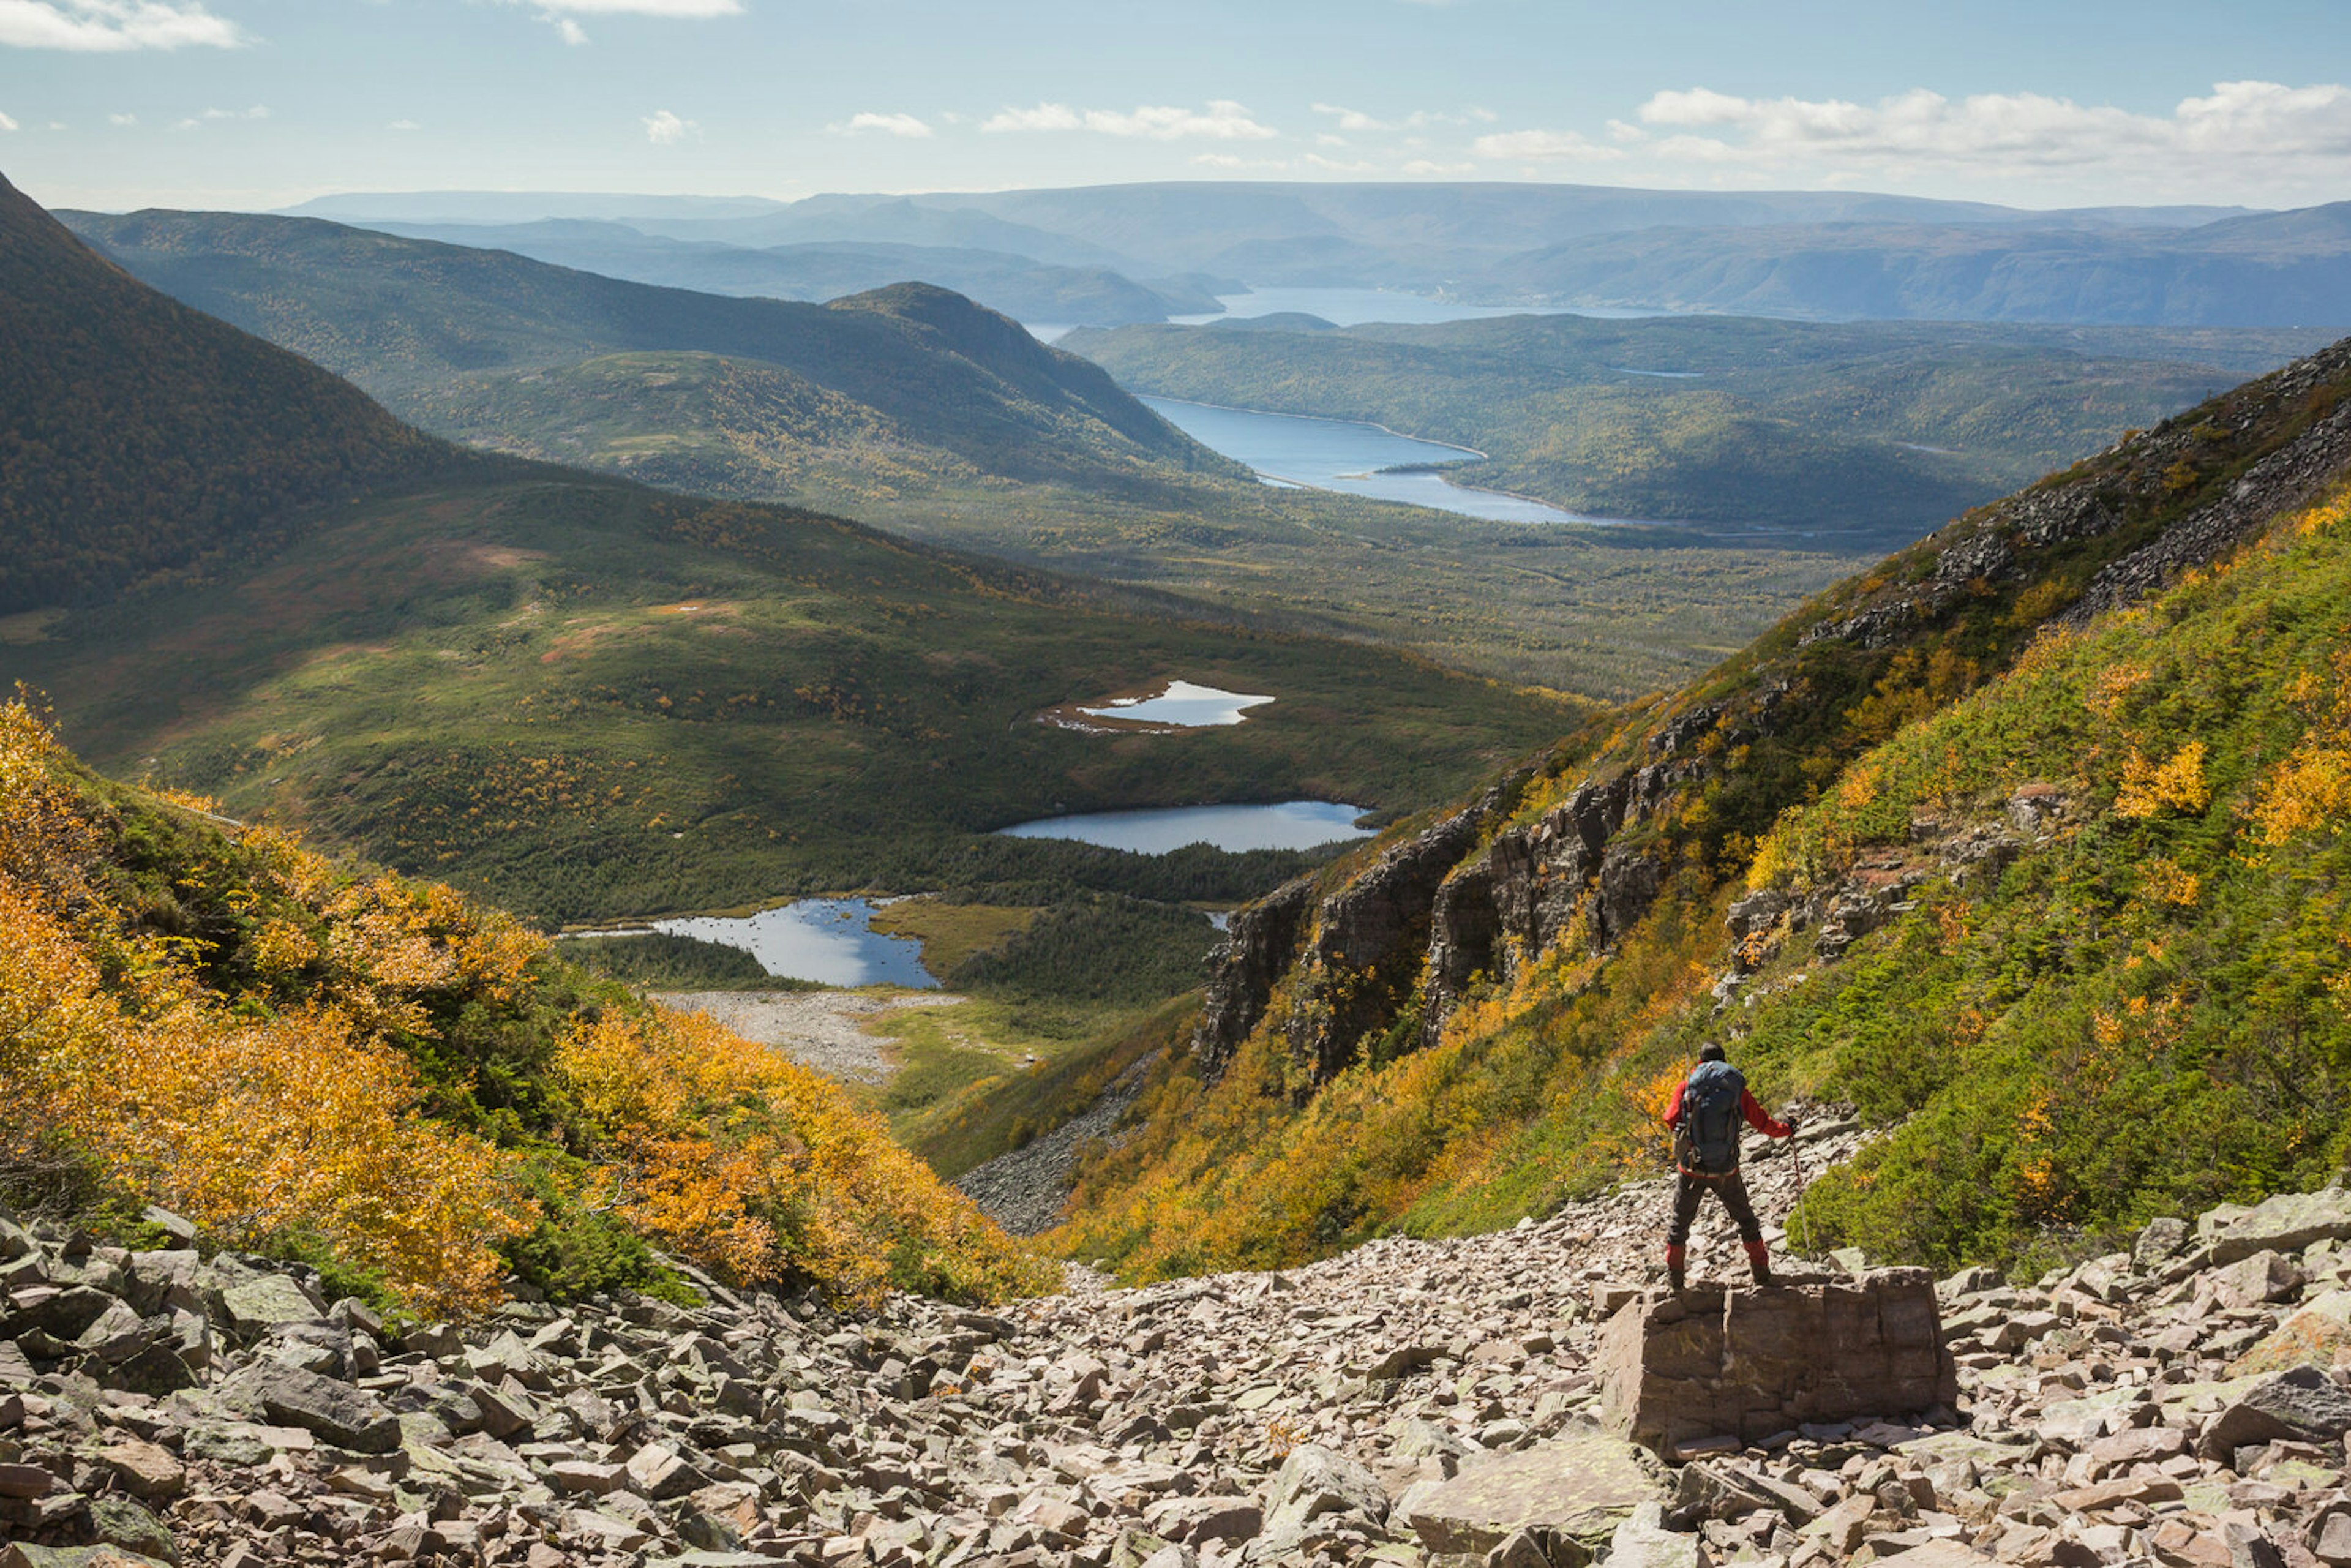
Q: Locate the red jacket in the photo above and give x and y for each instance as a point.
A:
(1747, 1107)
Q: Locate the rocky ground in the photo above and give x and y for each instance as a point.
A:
(823, 1029)
(1407, 1403)
(1024, 1191)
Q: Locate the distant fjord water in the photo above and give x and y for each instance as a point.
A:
(1341, 454)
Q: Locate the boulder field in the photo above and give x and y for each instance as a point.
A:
(1447, 1402)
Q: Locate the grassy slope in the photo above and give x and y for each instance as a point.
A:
(1785, 425)
(595, 700)
(2142, 1013)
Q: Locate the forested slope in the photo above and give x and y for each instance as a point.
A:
(138, 435)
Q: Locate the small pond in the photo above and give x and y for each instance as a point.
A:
(828, 940)
(1288, 825)
(1182, 704)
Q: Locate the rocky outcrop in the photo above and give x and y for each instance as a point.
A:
(2292, 476)
(1364, 957)
(1351, 959)
(1728, 1362)
(1257, 952)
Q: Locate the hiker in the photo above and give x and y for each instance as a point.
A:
(1705, 1117)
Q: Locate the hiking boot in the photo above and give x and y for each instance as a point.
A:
(1676, 1276)
(1759, 1258)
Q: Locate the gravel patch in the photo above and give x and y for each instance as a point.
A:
(1024, 1191)
(823, 1029)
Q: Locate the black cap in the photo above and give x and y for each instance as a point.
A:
(1710, 1052)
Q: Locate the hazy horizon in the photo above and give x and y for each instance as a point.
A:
(263, 104)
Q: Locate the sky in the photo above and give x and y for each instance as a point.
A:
(264, 103)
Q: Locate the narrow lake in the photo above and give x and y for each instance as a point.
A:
(1341, 454)
(1353, 307)
(827, 940)
(1289, 825)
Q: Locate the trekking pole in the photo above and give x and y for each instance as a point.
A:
(1799, 1158)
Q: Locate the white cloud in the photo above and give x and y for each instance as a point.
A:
(1356, 121)
(1232, 161)
(889, 124)
(6, 124)
(122, 120)
(1224, 120)
(1332, 165)
(2265, 132)
(1529, 146)
(1428, 167)
(195, 121)
(563, 14)
(403, 125)
(664, 129)
(105, 26)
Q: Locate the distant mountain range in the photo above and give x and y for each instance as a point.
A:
(1024, 288)
(1829, 254)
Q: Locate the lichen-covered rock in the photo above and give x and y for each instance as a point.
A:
(1582, 1488)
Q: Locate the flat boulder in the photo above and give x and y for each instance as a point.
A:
(2317, 1335)
(2286, 1223)
(1582, 1488)
(1743, 1362)
(260, 1304)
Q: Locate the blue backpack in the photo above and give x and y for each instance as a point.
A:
(1711, 1114)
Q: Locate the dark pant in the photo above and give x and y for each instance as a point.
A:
(1731, 1189)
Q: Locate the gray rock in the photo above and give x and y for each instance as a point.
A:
(258, 1305)
(1581, 1488)
(2286, 1223)
(2159, 1241)
(341, 1415)
(1644, 1541)
(2302, 1404)
(1314, 1481)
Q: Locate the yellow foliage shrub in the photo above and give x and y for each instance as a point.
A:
(252, 1130)
(2149, 788)
(749, 1163)
(2312, 789)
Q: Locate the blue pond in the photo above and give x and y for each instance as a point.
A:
(823, 940)
(1290, 825)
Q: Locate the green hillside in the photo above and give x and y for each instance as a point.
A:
(402, 1088)
(138, 437)
(1871, 432)
(929, 373)
(1022, 288)
(2026, 846)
